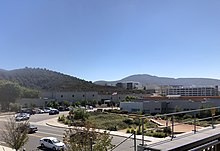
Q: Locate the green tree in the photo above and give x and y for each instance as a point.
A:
(84, 103)
(77, 103)
(82, 139)
(93, 102)
(9, 92)
(29, 93)
(15, 134)
(66, 103)
(53, 104)
(129, 98)
(81, 114)
(15, 107)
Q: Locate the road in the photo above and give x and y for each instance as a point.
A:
(44, 131)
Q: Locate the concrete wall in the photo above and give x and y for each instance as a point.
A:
(131, 106)
(167, 106)
(70, 96)
(150, 107)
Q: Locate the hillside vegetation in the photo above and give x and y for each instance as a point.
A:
(43, 79)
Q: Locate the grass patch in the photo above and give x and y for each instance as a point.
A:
(110, 121)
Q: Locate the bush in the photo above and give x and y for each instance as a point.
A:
(112, 128)
(167, 130)
(81, 114)
(132, 130)
(159, 134)
(61, 118)
(123, 112)
(137, 121)
(156, 134)
(128, 121)
(128, 130)
(186, 116)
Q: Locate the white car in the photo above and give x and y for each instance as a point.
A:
(52, 143)
(22, 116)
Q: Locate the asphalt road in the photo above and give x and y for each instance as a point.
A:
(45, 131)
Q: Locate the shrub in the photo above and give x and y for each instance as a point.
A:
(112, 128)
(156, 134)
(186, 116)
(81, 114)
(66, 121)
(61, 118)
(137, 121)
(128, 130)
(128, 121)
(167, 130)
(159, 134)
(124, 112)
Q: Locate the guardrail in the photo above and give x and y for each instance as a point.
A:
(173, 115)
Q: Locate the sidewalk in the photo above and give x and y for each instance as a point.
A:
(54, 123)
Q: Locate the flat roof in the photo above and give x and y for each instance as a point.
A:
(202, 98)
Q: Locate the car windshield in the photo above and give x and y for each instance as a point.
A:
(55, 141)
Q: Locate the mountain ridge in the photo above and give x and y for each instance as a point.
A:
(147, 79)
(48, 80)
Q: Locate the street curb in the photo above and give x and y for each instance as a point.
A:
(9, 113)
(99, 132)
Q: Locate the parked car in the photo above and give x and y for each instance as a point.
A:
(47, 109)
(53, 111)
(22, 116)
(51, 143)
(28, 110)
(38, 111)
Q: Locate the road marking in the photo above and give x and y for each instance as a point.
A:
(34, 135)
(49, 134)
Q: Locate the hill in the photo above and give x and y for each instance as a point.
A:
(43, 79)
(147, 79)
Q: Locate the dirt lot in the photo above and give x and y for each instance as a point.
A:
(178, 128)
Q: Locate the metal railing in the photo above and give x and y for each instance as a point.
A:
(194, 120)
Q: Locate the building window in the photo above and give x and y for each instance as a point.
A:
(73, 95)
(61, 96)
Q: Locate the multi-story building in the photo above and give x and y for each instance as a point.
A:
(190, 91)
(130, 85)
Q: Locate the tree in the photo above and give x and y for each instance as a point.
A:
(15, 134)
(129, 98)
(14, 107)
(9, 92)
(84, 103)
(66, 103)
(81, 114)
(29, 93)
(93, 102)
(82, 139)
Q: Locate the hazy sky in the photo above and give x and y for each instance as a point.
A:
(111, 39)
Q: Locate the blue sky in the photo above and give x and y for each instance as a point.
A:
(111, 39)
